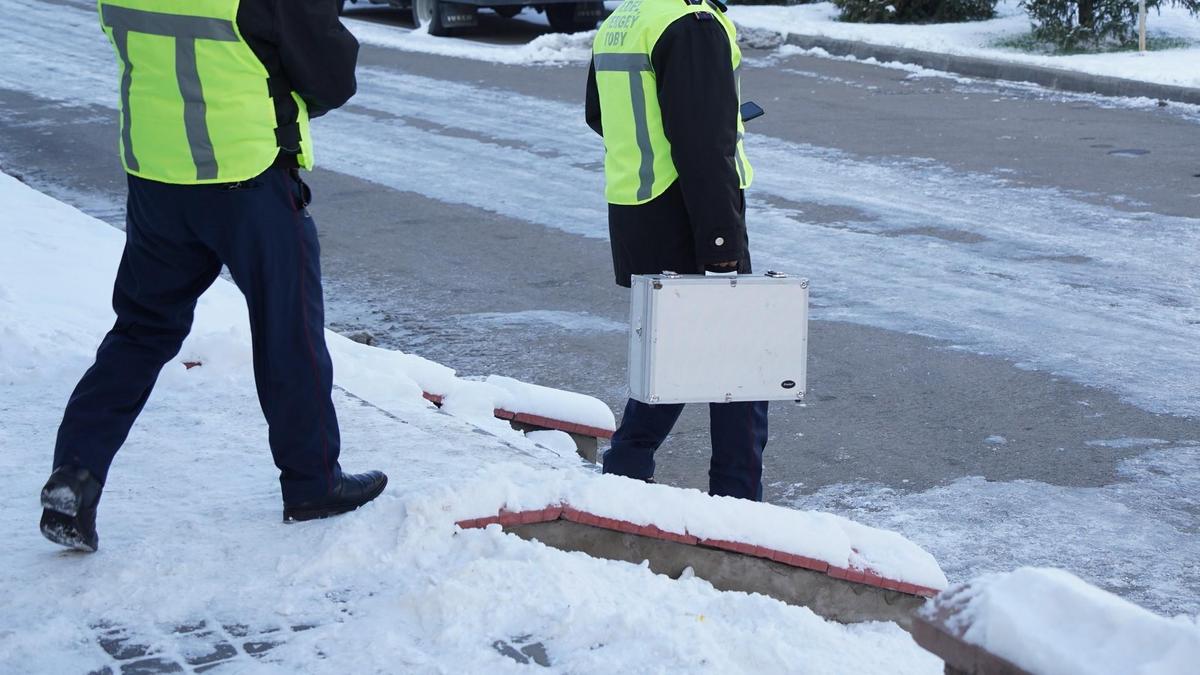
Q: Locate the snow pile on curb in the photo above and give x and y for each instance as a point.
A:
(820, 536)
(190, 531)
(977, 38)
(548, 49)
(1048, 621)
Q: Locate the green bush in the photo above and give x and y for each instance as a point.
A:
(916, 11)
(1091, 25)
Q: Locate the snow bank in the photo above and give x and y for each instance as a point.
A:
(522, 397)
(1049, 622)
(977, 38)
(548, 49)
(821, 536)
(191, 534)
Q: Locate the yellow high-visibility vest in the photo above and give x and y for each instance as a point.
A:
(195, 100)
(637, 155)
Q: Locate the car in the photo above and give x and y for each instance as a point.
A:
(443, 18)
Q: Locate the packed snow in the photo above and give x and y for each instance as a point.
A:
(548, 49)
(974, 248)
(191, 533)
(1049, 622)
(980, 38)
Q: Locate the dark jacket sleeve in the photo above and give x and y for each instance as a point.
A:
(318, 54)
(698, 96)
(591, 101)
(304, 43)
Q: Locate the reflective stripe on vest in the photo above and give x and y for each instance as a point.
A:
(637, 162)
(170, 130)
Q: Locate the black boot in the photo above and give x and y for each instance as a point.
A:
(351, 492)
(69, 502)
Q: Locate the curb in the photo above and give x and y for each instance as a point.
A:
(973, 66)
(867, 577)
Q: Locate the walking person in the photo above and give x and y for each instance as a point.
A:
(216, 98)
(663, 92)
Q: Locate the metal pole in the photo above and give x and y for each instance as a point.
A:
(1142, 26)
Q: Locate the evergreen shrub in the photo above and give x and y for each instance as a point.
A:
(915, 11)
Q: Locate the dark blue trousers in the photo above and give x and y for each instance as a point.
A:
(739, 435)
(177, 238)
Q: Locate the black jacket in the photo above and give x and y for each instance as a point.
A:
(698, 96)
(305, 48)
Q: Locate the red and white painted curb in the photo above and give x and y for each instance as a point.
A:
(535, 420)
(571, 514)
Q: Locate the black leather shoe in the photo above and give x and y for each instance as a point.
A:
(69, 501)
(351, 492)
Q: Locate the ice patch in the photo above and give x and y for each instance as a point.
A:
(570, 321)
(995, 440)
(1125, 443)
(1137, 537)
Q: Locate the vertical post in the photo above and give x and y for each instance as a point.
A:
(1142, 26)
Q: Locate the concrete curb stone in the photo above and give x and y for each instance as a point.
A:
(973, 66)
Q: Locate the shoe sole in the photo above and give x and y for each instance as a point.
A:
(60, 529)
(301, 515)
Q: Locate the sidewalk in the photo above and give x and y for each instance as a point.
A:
(970, 49)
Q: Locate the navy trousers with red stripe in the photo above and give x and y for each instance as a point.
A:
(177, 238)
(739, 435)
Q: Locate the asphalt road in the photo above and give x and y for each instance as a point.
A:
(426, 275)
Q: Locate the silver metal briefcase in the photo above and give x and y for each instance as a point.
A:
(696, 338)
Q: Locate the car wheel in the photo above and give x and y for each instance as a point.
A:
(428, 13)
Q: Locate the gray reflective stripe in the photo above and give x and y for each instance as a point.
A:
(194, 110)
(737, 155)
(120, 39)
(168, 25)
(642, 132)
(186, 30)
(635, 65)
(623, 63)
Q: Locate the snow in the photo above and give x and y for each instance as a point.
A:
(1049, 622)
(1136, 537)
(978, 38)
(522, 397)
(548, 49)
(190, 528)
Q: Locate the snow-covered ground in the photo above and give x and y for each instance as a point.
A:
(984, 266)
(980, 38)
(1048, 621)
(191, 533)
(549, 49)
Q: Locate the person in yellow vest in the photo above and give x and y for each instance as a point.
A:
(663, 92)
(215, 101)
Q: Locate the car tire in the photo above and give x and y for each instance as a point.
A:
(508, 11)
(428, 13)
(564, 18)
